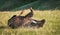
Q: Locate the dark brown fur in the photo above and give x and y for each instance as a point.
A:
(18, 21)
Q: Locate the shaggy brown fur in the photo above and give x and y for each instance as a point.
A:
(18, 21)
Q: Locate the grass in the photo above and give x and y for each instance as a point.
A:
(51, 26)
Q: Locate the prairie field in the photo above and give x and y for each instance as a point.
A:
(51, 26)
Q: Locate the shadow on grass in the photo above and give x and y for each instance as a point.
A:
(3, 27)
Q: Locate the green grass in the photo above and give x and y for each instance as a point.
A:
(51, 26)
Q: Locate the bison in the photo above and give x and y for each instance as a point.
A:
(19, 21)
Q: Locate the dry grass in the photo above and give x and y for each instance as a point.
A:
(51, 27)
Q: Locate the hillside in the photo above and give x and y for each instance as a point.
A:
(14, 5)
(43, 5)
(6, 5)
